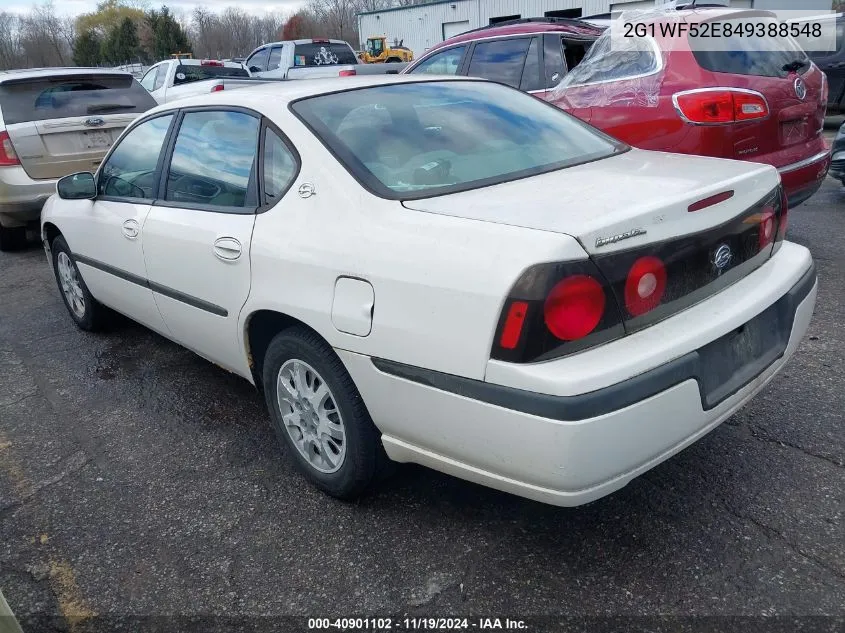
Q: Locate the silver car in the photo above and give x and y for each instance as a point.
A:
(54, 122)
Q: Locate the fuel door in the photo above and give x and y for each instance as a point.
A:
(352, 306)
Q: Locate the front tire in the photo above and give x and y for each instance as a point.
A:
(318, 415)
(86, 312)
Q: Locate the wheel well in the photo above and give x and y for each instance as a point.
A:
(52, 232)
(262, 327)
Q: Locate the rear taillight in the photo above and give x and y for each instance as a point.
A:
(768, 222)
(554, 310)
(8, 156)
(574, 307)
(217, 88)
(721, 106)
(645, 285)
(347, 73)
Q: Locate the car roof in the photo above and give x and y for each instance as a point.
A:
(279, 93)
(35, 73)
(310, 40)
(574, 27)
(199, 62)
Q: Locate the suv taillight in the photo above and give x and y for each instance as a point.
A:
(720, 106)
(217, 88)
(554, 310)
(347, 73)
(8, 156)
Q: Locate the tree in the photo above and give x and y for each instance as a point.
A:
(294, 28)
(108, 17)
(121, 46)
(168, 35)
(87, 49)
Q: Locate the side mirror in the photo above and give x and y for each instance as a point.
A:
(77, 187)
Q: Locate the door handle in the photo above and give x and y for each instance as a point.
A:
(131, 229)
(227, 248)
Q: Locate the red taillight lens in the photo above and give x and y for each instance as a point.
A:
(217, 88)
(512, 328)
(347, 73)
(721, 106)
(645, 285)
(574, 307)
(8, 155)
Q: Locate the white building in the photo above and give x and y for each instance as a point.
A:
(424, 25)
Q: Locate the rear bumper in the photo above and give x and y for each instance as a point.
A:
(571, 448)
(802, 179)
(21, 197)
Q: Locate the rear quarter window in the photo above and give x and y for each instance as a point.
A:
(606, 61)
(42, 98)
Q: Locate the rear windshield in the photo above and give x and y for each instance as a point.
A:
(415, 140)
(323, 54)
(186, 74)
(743, 55)
(25, 100)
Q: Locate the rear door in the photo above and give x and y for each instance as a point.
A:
(198, 233)
(62, 124)
(783, 73)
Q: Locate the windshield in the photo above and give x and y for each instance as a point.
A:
(742, 55)
(41, 98)
(415, 140)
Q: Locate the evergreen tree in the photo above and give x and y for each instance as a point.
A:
(87, 50)
(168, 35)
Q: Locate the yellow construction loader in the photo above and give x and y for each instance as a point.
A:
(378, 51)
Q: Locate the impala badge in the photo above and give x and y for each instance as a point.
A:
(604, 241)
(94, 121)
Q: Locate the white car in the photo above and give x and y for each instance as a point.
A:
(175, 79)
(446, 272)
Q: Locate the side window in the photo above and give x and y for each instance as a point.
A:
(149, 79)
(130, 170)
(553, 59)
(500, 60)
(279, 167)
(531, 77)
(275, 58)
(214, 160)
(444, 63)
(161, 77)
(258, 62)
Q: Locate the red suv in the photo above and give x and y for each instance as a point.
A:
(746, 102)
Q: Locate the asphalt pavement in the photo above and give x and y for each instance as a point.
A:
(136, 479)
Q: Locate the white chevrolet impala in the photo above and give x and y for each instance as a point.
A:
(446, 272)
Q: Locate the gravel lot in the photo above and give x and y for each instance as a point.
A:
(138, 479)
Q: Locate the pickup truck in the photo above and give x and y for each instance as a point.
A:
(311, 59)
(179, 78)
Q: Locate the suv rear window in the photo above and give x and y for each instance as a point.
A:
(37, 99)
(743, 55)
(323, 54)
(415, 140)
(193, 73)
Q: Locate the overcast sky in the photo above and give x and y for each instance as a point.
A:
(75, 7)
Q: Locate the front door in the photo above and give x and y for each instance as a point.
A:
(105, 238)
(197, 236)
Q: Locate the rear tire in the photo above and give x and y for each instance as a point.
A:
(84, 309)
(12, 239)
(318, 415)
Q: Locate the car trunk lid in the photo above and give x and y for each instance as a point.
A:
(67, 123)
(702, 218)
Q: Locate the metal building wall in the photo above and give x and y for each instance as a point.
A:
(421, 26)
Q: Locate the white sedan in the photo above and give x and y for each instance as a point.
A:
(446, 272)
